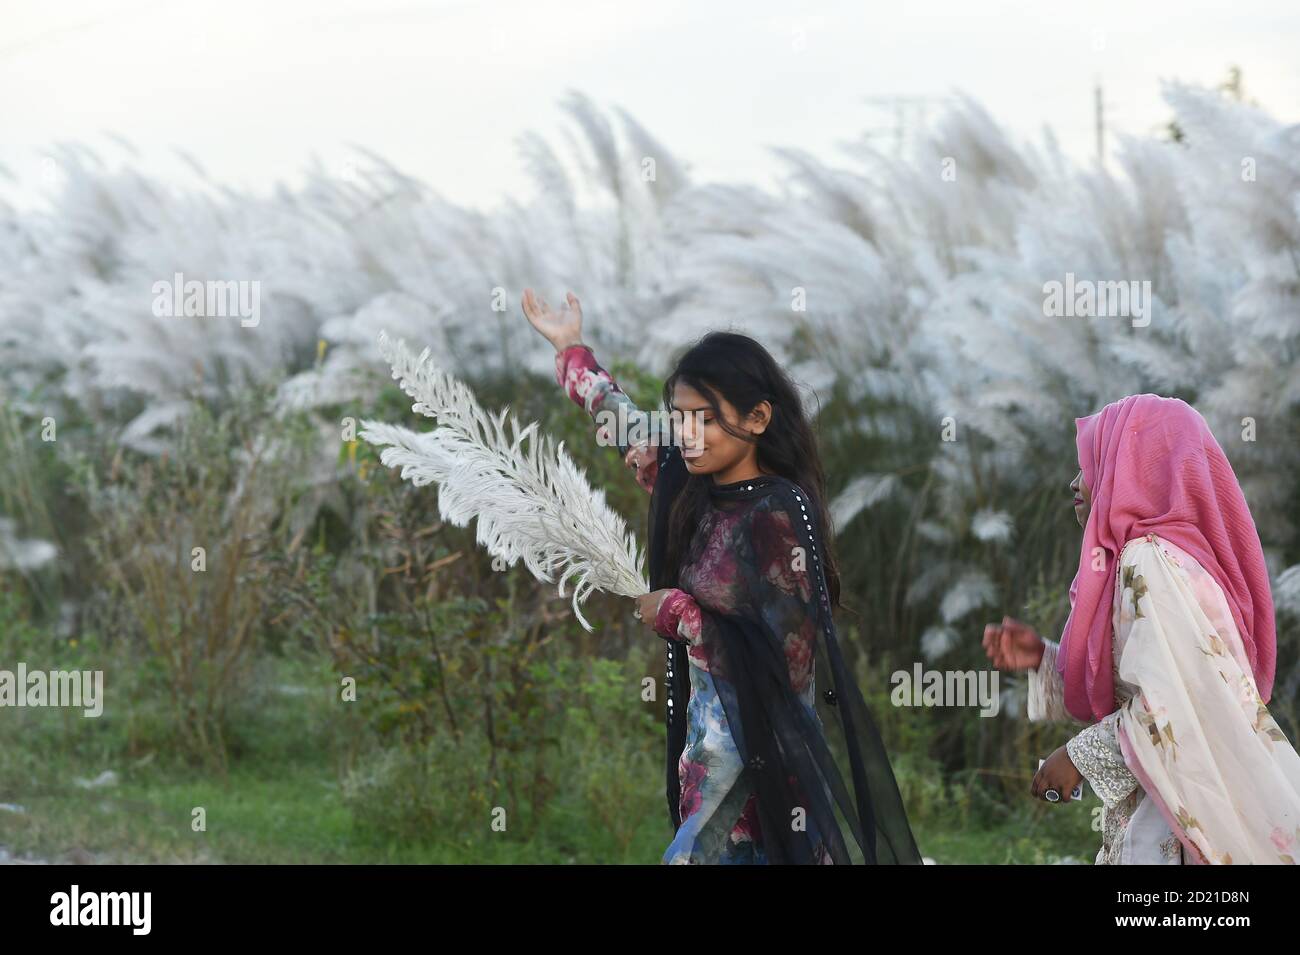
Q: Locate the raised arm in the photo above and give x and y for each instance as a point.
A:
(593, 388)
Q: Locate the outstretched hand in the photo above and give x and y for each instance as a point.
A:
(562, 328)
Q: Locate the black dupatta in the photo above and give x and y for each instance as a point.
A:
(799, 788)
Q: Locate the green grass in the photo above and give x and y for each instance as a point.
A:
(286, 814)
(294, 813)
(283, 800)
(1011, 842)
(298, 817)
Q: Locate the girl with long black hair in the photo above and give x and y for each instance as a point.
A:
(743, 579)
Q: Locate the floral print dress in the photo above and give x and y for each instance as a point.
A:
(1189, 727)
(719, 818)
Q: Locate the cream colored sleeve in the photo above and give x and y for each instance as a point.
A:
(1046, 689)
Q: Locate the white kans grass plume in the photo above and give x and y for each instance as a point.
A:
(1286, 594)
(938, 640)
(920, 296)
(531, 501)
(990, 525)
(861, 493)
(23, 554)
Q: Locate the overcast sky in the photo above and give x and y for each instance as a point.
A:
(255, 88)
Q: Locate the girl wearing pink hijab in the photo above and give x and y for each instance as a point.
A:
(1168, 653)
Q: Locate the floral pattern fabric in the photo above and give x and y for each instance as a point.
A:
(1190, 766)
(710, 766)
(719, 818)
(592, 388)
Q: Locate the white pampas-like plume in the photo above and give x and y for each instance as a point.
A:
(532, 503)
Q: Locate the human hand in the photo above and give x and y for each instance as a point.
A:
(647, 606)
(562, 328)
(1013, 645)
(1058, 773)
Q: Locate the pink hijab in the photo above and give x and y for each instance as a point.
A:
(1154, 467)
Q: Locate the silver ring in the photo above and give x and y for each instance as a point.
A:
(1052, 796)
(637, 613)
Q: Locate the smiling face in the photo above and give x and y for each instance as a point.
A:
(707, 447)
(1082, 498)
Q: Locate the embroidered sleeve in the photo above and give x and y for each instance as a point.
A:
(1046, 688)
(1096, 754)
(621, 423)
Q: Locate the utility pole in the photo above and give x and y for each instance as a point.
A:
(909, 113)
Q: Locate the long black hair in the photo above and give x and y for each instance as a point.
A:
(736, 367)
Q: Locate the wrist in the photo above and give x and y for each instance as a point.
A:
(564, 344)
(668, 613)
(1069, 758)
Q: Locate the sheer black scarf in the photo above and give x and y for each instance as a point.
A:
(799, 788)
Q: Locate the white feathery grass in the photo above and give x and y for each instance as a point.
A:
(1286, 593)
(971, 590)
(990, 525)
(531, 501)
(23, 554)
(862, 492)
(938, 640)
